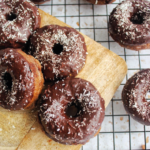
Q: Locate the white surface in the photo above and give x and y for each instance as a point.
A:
(93, 22)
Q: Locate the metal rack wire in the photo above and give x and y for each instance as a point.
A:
(118, 131)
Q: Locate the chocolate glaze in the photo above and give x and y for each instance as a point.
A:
(18, 95)
(18, 19)
(101, 2)
(67, 62)
(71, 111)
(129, 23)
(133, 96)
(39, 1)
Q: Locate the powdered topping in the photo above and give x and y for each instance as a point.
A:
(71, 111)
(130, 22)
(134, 94)
(16, 80)
(60, 50)
(96, 2)
(18, 19)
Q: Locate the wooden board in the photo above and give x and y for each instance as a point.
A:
(14, 125)
(103, 68)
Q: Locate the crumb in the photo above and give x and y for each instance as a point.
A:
(127, 120)
(147, 139)
(143, 146)
(110, 122)
(85, 23)
(121, 118)
(77, 23)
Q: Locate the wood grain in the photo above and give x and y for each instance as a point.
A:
(14, 125)
(103, 68)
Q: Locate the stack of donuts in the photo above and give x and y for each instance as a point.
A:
(129, 25)
(71, 110)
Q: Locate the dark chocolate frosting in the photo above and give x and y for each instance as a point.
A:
(39, 1)
(60, 50)
(133, 96)
(129, 23)
(16, 80)
(101, 1)
(71, 111)
(18, 19)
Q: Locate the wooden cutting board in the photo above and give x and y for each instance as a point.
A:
(103, 68)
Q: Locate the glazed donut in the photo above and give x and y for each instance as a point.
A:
(60, 50)
(133, 96)
(101, 2)
(39, 1)
(18, 19)
(129, 24)
(71, 111)
(21, 79)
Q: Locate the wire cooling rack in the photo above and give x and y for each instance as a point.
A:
(119, 131)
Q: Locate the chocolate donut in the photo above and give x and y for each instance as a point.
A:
(21, 79)
(18, 19)
(39, 1)
(101, 2)
(71, 111)
(129, 24)
(133, 96)
(60, 50)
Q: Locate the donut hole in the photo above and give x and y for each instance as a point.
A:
(7, 81)
(11, 17)
(57, 48)
(74, 109)
(137, 18)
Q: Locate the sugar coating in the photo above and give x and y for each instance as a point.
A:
(123, 30)
(69, 61)
(14, 33)
(22, 88)
(133, 96)
(71, 130)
